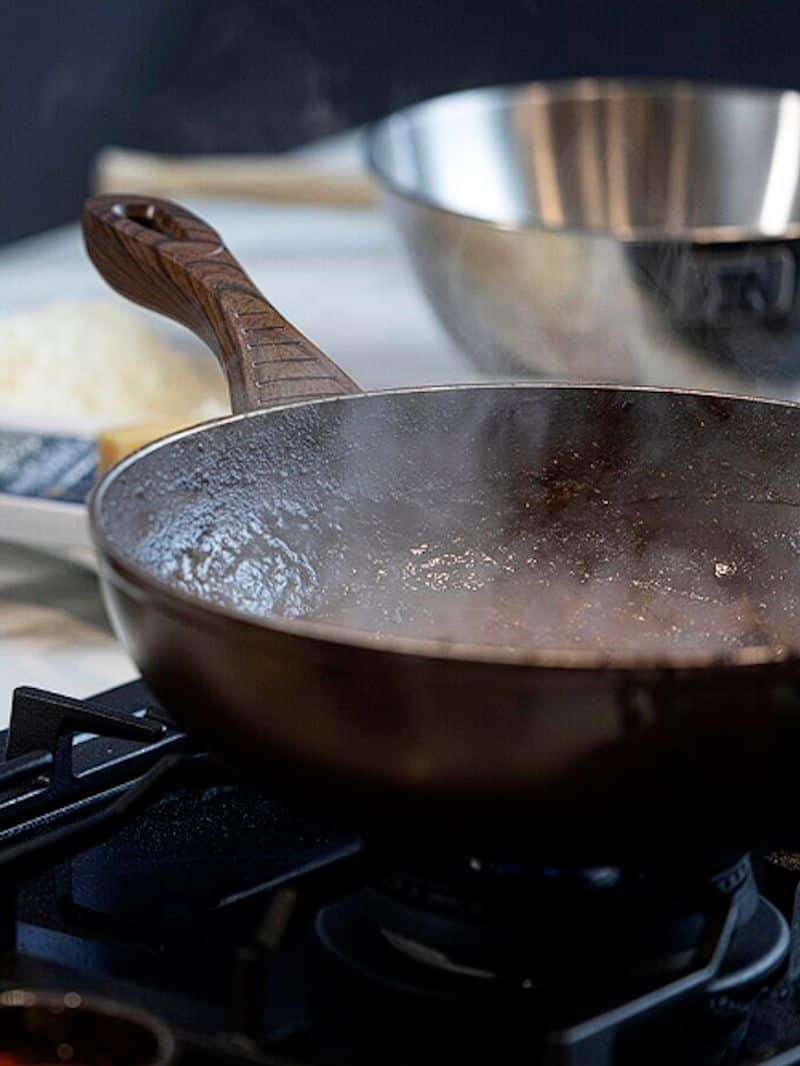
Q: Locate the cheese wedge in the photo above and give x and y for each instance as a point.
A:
(102, 360)
(116, 442)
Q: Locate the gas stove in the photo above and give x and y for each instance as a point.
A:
(155, 908)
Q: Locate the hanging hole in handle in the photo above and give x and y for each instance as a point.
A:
(153, 218)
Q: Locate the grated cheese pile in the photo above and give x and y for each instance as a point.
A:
(97, 358)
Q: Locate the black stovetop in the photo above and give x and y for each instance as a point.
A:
(134, 867)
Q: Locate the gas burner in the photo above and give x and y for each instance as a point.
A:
(558, 949)
(480, 923)
(136, 869)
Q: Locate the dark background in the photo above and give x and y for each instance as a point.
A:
(236, 75)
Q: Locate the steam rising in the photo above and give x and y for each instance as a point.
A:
(526, 518)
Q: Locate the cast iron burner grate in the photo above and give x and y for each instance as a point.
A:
(134, 865)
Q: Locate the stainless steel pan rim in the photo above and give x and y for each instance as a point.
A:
(137, 581)
(587, 88)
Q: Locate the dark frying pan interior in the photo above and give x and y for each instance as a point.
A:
(634, 523)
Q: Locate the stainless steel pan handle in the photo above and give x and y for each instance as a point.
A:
(163, 257)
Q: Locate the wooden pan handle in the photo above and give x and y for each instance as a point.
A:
(163, 257)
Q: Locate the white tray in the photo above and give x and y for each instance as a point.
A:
(39, 518)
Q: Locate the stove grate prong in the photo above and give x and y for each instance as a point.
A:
(592, 1042)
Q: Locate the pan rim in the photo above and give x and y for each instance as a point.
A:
(588, 86)
(132, 572)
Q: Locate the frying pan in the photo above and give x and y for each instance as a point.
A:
(563, 617)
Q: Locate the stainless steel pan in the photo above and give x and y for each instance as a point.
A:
(461, 610)
(607, 230)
